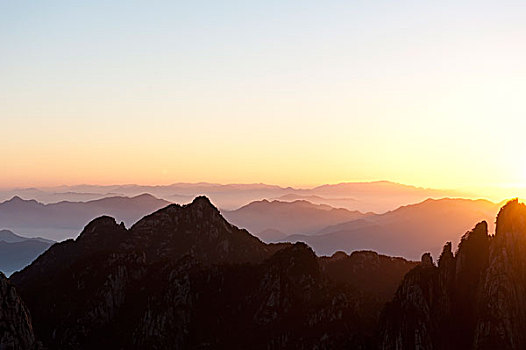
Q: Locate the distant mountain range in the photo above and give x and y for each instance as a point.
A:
(61, 220)
(326, 229)
(10, 237)
(406, 231)
(16, 251)
(379, 196)
(291, 217)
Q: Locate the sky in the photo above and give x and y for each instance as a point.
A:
(285, 92)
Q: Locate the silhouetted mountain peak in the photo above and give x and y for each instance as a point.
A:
(15, 200)
(196, 229)
(339, 255)
(101, 231)
(9, 236)
(102, 221)
(446, 255)
(202, 203)
(426, 259)
(511, 218)
(297, 271)
(144, 196)
(481, 228)
(200, 212)
(298, 249)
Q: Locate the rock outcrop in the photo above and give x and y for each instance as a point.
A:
(502, 307)
(16, 331)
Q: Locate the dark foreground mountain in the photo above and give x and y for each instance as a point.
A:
(16, 331)
(58, 221)
(183, 277)
(474, 299)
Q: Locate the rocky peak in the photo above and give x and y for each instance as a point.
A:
(100, 223)
(426, 260)
(200, 212)
(292, 277)
(298, 259)
(199, 230)
(502, 309)
(511, 218)
(366, 257)
(446, 254)
(339, 255)
(103, 231)
(473, 251)
(202, 204)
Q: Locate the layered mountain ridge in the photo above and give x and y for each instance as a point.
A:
(65, 219)
(184, 277)
(407, 231)
(378, 196)
(16, 251)
(295, 217)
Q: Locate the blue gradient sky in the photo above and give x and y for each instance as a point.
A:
(287, 92)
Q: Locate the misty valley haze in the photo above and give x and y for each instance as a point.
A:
(404, 231)
(378, 196)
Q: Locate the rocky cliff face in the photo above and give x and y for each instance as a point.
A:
(16, 331)
(183, 277)
(502, 308)
(475, 298)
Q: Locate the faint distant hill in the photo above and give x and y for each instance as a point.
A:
(229, 196)
(10, 237)
(337, 202)
(271, 235)
(16, 251)
(378, 197)
(62, 220)
(289, 217)
(407, 231)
